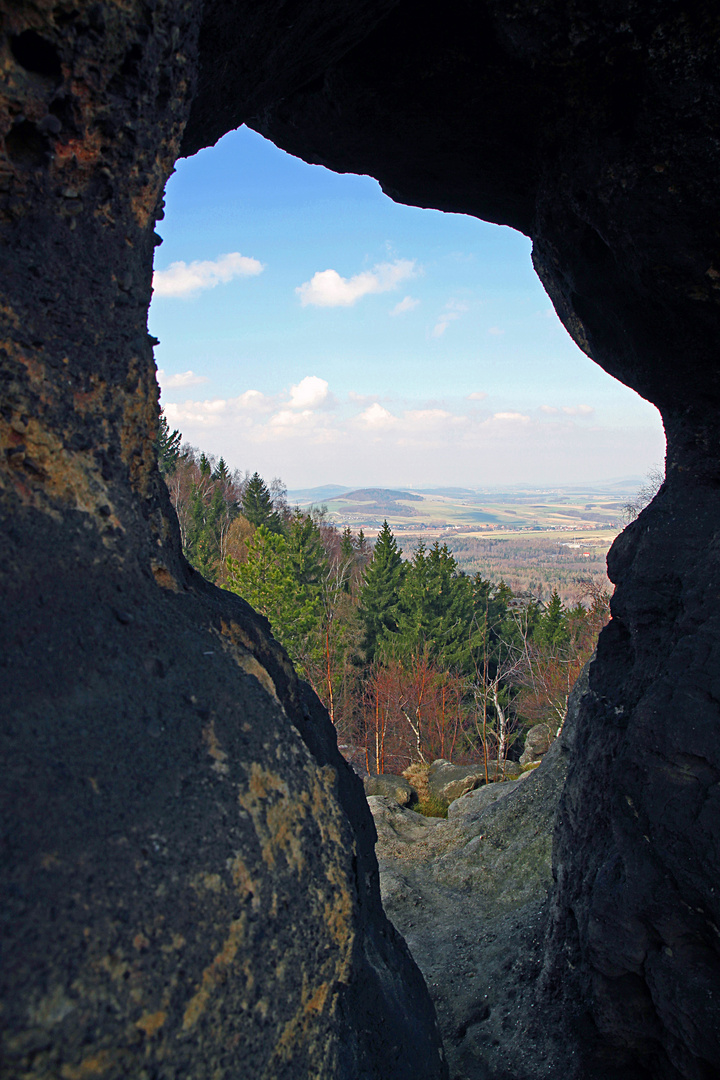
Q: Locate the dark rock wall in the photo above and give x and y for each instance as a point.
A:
(133, 750)
(188, 877)
(593, 128)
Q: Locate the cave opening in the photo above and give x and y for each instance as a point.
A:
(188, 863)
(439, 357)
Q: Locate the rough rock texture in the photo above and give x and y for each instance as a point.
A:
(470, 896)
(593, 128)
(449, 782)
(390, 787)
(188, 878)
(538, 741)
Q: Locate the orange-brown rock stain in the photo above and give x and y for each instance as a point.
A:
(216, 752)
(214, 974)
(97, 1064)
(243, 649)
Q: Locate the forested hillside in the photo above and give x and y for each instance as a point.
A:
(413, 658)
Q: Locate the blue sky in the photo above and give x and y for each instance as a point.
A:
(312, 329)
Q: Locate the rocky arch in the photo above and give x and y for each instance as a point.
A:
(188, 863)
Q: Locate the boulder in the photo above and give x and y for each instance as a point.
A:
(449, 782)
(391, 787)
(538, 741)
(468, 806)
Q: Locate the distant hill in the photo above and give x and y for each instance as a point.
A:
(316, 494)
(379, 495)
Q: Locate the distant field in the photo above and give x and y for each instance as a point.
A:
(421, 511)
(534, 539)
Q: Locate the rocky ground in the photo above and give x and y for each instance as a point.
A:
(469, 894)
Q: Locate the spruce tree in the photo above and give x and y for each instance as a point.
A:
(305, 549)
(269, 581)
(436, 615)
(380, 592)
(168, 446)
(221, 472)
(552, 628)
(257, 505)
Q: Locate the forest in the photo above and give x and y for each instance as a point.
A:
(413, 658)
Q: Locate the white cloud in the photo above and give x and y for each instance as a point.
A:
(496, 331)
(477, 395)
(185, 279)
(408, 303)
(288, 418)
(203, 413)
(376, 416)
(183, 378)
(253, 399)
(424, 418)
(550, 409)
(310, 393)
(328, 289)
(453, 310)
(443, 322)
(514, 416)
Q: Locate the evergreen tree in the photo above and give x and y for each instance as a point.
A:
(269, 581)
(436, 615)
(305, 549)
(552, 628)
(347, 543)
(380, 592)
(362, 546)
(168, 446)
(347, 558)
(257, 505)
(205, 466)
(222, 472)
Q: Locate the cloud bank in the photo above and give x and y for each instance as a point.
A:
(327, 288)
(188, 279)
(308, 436)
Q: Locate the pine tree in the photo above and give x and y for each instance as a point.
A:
(257, 505)
(380, 592)
(168, 446)
(205, 466)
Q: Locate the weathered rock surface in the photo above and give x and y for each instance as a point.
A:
(470, 896)
(592, 128)
(188, 878)
(391, 787)
(538, 741)
(447, 781)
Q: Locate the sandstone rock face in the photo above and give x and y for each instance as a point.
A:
(593, 128)
(188, 878)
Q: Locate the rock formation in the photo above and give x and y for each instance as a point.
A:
(161, 816)
(470, 896)
(188, 878)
